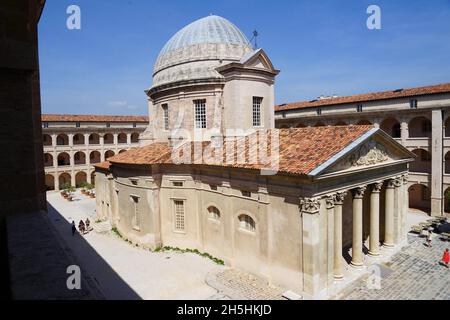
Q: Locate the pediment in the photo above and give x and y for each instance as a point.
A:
(370, 153)
(257, 59)
(374, 150)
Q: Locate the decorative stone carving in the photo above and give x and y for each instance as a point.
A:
(369, 154)
(390, 184)
(359, 192)
(405, 178)
(398, 182)
(376, 187)
(339, 197)
(309, 205)
(330, 200)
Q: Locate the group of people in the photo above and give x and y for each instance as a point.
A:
(83, 227)
(446, 256)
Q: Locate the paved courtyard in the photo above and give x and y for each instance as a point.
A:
(125, 272)
(414, 273)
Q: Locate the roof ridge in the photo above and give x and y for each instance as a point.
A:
(368, 96)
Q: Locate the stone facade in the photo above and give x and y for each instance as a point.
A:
(292, 228)
(420, 122)
(72, 147)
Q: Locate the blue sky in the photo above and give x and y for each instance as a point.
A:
(321, 47)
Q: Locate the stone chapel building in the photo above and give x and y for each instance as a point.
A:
(212, 172)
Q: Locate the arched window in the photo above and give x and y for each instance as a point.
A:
(214, 213)
(122, 138)
(247, 223)
(392, 127)
(134, 137)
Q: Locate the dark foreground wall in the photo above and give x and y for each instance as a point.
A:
(21, 163)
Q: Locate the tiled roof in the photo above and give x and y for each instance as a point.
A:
(91, 118)
(300, 150)
(103, 165)
(399, 93)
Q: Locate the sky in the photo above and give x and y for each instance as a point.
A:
(321, 47)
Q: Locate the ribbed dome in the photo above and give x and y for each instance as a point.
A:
(211, 29)
(196, 50)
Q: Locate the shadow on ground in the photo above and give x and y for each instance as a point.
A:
(39, 257)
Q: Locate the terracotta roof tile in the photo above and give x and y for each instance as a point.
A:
(300, 150)
(91, 118)
(401, 93)
(103, 165)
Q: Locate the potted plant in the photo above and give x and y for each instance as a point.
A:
(64, 188)
(83, 187)
(90, 191)
(70, 191)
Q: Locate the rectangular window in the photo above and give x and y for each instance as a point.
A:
(136, 218)
(257, 111)
(45, 124)
(179, 215)
(200, 114)
(319, 111)
(413, 104)
(77, 124)
(134, 124)
(247, 194)
(359, 108)
(177, 184)
(108, 125)
(165, 109)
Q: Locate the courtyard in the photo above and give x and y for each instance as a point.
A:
(123, 271)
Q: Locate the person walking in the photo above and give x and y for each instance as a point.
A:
(429, 238)
(81, 227)
(74, 228)
(446, 258)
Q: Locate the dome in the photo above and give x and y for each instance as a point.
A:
(197, 49)
(212, 29)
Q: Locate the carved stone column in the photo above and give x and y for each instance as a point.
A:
(398, 206)
(389, 212)
(357, 241)
(405, 207)
(330, 202)
(374, 239)
(309, 208)
(338, 202)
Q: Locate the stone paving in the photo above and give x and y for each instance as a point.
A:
(236, 285)
(412, 274)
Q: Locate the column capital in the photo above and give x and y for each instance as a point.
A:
(376, 187)
(309, 205)
(405, 178)
(330, 200)
(390, 184)
(358, 192)
(398, 181)
(339, 197)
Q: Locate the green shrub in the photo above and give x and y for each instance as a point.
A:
(116, 232)
(195, 251)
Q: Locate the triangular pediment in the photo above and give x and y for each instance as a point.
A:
(373, 150)
(257, 59)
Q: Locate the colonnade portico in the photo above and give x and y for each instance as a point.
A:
(379, 242)
(395, 219)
